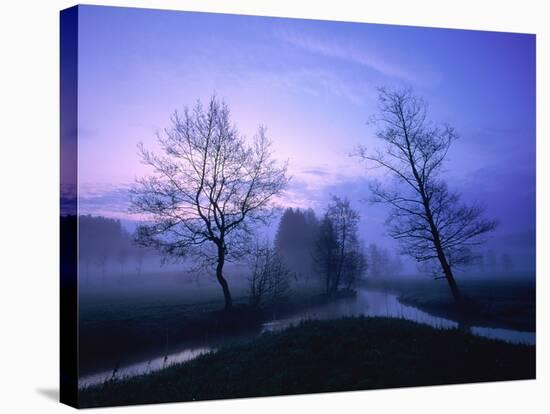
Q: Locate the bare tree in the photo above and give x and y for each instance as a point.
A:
(325, 253)
(338, 253)
(345, 220)
(258, 282)
(355, 267)
(208, 189)
(426, 218)
(270, 277)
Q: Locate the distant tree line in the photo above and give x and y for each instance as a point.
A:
(102, 241)
(490, 262)
(382, 263)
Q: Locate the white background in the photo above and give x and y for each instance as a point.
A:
(29, 174)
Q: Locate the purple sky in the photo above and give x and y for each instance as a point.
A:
(313, 84)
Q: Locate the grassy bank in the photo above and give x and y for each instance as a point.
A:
(118, 328)
(325, 356)
(506, 303)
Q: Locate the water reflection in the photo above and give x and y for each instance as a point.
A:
(367, 303)
(141, 368)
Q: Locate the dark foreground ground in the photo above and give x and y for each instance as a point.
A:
(326, 356)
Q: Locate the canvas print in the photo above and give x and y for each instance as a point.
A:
(256, 206)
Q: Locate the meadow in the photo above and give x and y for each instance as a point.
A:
(326, 356)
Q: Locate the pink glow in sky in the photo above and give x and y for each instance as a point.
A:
(313, 85)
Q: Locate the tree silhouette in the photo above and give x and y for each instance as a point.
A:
(208, 189)
(426, 218)
(325, 253)
(382, 263)
(270, 277)
(338, 253)
(102, 238)
(295, 239)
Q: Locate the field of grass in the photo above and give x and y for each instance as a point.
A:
(499, 303)
(134, 321)
(326, 356)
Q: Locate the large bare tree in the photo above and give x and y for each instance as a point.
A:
(428, 220)
(208, 188)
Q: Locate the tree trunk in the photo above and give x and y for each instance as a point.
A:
(437, 244)
(449, 277)
(463, 321)
(221, 279)
(447, 271)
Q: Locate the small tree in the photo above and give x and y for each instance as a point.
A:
(270, 277)
(325, 253)
(354, 267)
(338, 253)
(426, 218)
(345, 221)
(259, 278)
(208, 188)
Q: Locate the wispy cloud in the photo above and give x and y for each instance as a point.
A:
(311, 186)
(312, 81)
(349, 52)
(104, 199)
